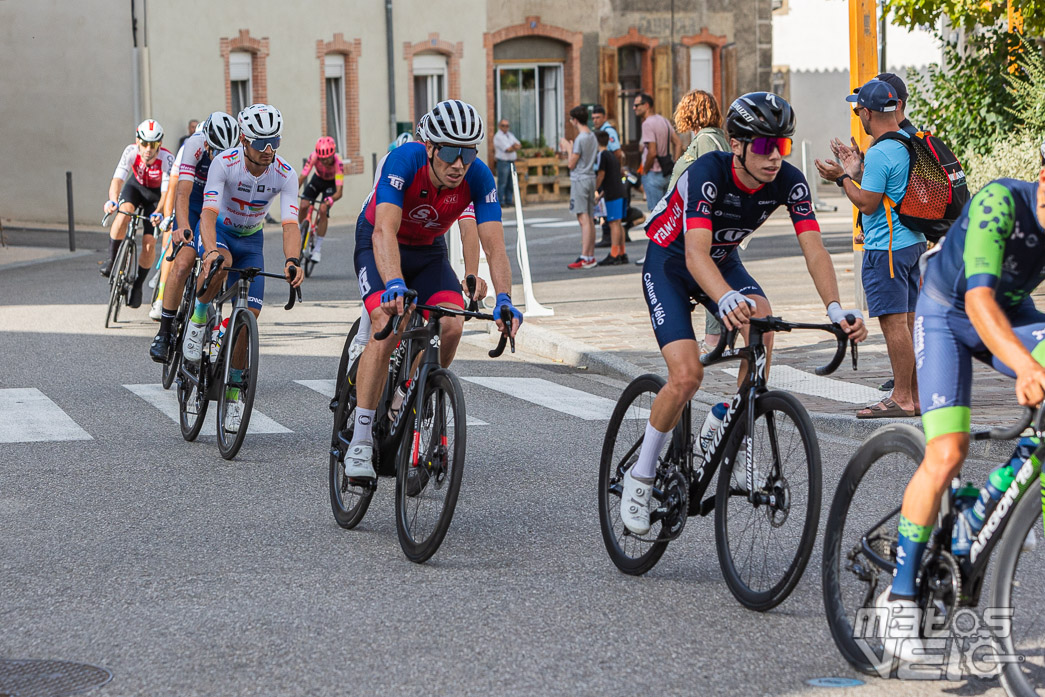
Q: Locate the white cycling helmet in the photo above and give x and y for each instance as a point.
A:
(199, 128)
(149, 131)
(221, 131)
(454, 122)
(419, 132)
(260, 121)
(402, 139)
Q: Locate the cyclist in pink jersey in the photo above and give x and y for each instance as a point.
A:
(326, 186)
(150, 164)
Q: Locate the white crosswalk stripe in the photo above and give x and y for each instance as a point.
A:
(167, 402)
(326, 388)
(27, 415)
(564, 399)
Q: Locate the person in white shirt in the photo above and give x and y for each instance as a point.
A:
(504, 146)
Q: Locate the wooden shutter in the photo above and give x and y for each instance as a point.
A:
(608, 84)
(662, 97)
(729, 76)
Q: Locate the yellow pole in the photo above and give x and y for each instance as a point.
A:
(863, 65)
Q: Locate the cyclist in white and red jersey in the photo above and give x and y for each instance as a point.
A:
(150, 163)
(326, 186)
(421, 191)
(241, 184)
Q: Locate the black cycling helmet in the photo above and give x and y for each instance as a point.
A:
(760, 114)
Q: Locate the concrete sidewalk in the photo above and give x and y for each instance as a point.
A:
(601, 323)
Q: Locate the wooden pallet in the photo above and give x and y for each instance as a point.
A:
(536, 186)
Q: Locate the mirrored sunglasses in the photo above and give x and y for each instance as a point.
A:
(765, 146)
(262, 144)
(449, 154)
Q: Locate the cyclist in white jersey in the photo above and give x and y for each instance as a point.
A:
(241, 184)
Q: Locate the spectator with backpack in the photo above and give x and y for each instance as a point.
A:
(890, 270)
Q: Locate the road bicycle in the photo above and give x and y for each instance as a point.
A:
(212, 377)
(125, 267)
(308, 241)
(768, 459)
(860, 555)
(422, 442)
(185, 307)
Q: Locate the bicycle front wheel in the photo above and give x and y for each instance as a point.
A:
(344, 369)
(128, 271)
(236, 399)
(1017, 588)
(429, 466)
(862, 529)
(116, 283)
(307, 243)
(620, 451)
(764, 546)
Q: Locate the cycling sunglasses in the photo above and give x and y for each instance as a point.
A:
(449, 154)
(262, 144)
(765, 146)
(150, 143)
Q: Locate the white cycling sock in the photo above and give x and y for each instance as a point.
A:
(364, 425)
(318, 243)
(652, 444)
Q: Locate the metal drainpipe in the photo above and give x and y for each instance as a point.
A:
(391, 71)
(135, 68)
(146, 70)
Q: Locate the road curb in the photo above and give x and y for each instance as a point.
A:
(548, 343)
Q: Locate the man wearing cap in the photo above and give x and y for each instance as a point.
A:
(890, 269)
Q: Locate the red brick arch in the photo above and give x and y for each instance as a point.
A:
(353, 160)
(634, 38)
(716, 43)
(259, 50)
(453, 53)
(571, 70)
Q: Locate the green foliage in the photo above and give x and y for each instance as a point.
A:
(967, 101)
(967, 13)
(1015, 157)
(1027, 90)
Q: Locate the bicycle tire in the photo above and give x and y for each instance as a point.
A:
(115, 283)
(907, 443)
(192, 401)
(342, 366)
(348, 503)
(442, 390)
(174, 356)
(127, 271)
(732, 488)
(243, 326)
(307, 243)
(632, 406)
(1025, 676)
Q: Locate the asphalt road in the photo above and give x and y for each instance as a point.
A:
(183, 574)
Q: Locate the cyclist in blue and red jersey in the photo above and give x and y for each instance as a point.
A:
(694, 234)
(421, 190)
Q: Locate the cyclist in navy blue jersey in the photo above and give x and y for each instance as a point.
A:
(421, 190)
(694, 234)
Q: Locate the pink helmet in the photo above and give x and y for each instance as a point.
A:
(326, 147)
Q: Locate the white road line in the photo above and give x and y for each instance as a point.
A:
(326, 388)
(564, 399)
(27, 415)
(167, 402)
(784, 377)
(561, 223)
(530, 221)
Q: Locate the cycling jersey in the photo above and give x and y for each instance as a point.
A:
(195, 163)
(334, 171)
(154, 175)
(429, 211)
(242, 200)
(995, 243)
(708, 195)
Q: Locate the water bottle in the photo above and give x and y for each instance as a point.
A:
(397, 400)
(963, 499)
(711, 423)
(999, 480)
(218, 333)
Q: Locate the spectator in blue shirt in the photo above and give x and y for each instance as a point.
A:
(599, 123)
(890, 270)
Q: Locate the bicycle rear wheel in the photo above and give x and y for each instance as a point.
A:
(429, 465)
(237, 394)
(863, 519)
(192, 399)
(620, 450)
(307, 244)
(762, 557)
(348, 502)
(1017, 588)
